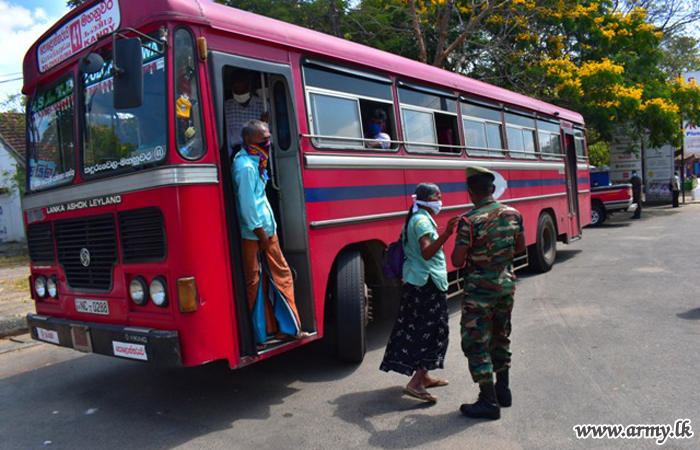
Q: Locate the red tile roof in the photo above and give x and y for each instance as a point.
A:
(12, 132)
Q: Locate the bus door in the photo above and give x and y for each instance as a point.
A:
(572, 184)
(271, 82)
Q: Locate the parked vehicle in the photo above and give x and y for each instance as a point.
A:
(606, 200)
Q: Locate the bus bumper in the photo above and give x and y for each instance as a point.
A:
(142, 344)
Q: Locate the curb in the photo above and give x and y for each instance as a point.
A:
(12, 326)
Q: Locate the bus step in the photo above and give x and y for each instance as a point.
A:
(520, 261)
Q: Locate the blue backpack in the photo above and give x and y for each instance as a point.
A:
(394, 257)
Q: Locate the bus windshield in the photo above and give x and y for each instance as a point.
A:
(51, 136)
(116, 140)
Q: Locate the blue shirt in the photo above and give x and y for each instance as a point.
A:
(416, 270)
(254, 210)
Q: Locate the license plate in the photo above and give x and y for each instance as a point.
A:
(92, 306)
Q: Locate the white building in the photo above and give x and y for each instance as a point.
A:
(11, 132)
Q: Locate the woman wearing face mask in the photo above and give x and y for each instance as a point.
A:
(375, 130)
(418, 342)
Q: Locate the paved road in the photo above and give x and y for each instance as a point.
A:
(610, 335)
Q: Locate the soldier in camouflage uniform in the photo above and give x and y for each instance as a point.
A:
(488, 237)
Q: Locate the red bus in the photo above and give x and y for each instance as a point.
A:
(130, 206)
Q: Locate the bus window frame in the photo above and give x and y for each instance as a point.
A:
(546, 155)
(524, 114)
(168, 89)
(314, 138)
(63, 75)
(351, 72)
(522, 154)
(434, 92)
(484, 152)
(580, 135)
(198, 77)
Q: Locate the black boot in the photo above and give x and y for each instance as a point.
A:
(503, 394)
(486, 407)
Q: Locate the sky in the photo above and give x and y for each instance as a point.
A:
(21, 24)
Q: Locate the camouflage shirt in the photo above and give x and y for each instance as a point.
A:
(490, 233)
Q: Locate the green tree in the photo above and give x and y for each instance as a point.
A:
(325, 16)
(14, 103)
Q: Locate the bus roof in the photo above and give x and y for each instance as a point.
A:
(281, 33)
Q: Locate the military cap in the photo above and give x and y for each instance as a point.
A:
(476, 170)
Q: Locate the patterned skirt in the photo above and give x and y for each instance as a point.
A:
(421, 331)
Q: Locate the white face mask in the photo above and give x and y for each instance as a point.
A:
(241, 98)
(435, 206)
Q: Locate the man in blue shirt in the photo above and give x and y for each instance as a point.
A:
(259, 237)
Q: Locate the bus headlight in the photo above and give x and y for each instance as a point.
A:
(52, 287)
(40, 286)
(159, 294)
(137, 291)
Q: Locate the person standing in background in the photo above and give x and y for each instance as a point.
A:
(675, 189)
(636, 194)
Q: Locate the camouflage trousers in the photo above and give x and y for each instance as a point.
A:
(485, 329)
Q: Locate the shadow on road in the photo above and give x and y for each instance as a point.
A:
(693, 314)
(413, 430)
(169, 406)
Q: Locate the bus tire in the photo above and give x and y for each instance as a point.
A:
(598, 215)
(351, 307)
(544, 251)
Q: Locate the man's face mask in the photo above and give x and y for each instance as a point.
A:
(265, 145)
(241, 98)
(374, 128)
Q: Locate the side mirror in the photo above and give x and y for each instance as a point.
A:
(92, 63)
(128, 73)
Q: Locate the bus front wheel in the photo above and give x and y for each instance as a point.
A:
(351, 307)
(544, 251)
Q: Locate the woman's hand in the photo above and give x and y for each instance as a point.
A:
(451, 224)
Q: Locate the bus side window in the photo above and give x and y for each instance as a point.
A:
(483, 130)
(521, 136)
(579, 143)
(429, 117)
(549, 139)
(188, 118)
(342, 103)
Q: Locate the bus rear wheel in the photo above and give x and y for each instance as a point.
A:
(543, 253)
(351, 307)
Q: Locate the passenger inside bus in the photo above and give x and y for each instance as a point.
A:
(376, 129)
(446, 126)
(242, 106)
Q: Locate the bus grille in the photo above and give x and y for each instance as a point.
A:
(40, 242)
(87, 250)
(142, 233)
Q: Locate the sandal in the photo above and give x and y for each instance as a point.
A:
(425, 396)
(292, 337)
(436, 382)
